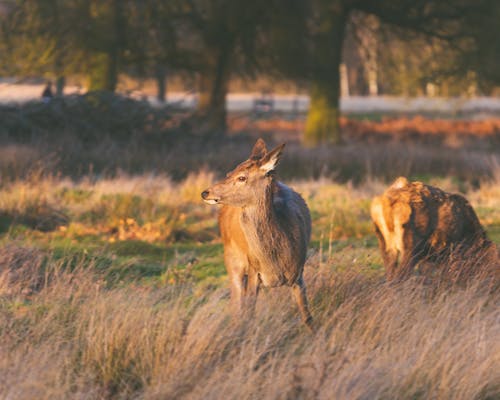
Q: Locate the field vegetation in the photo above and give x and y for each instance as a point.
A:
(112, 283)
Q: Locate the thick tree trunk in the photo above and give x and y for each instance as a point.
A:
(103, 73)
(213, 88)
(104, 69)
(322, 125)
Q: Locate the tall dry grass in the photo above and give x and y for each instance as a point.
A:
(66, 333)
(75, 339)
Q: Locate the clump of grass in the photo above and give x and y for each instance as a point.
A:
(21, 270)
(150, 208)
(339, 211)
(32, 202)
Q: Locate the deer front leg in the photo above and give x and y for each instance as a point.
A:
(250, 292)
(245, 285)
(237, 266)
(299, 292)
(238, 288)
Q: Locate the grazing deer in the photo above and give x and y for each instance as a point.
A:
(265, 227)
(416, 222)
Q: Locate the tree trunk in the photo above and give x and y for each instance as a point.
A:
(103, 73)
(60, 83)
(213, 88)
(60, 54)
(104, 69)
(59, 71)
(161, 83)
(322, 125)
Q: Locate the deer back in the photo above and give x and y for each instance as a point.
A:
(427, 214)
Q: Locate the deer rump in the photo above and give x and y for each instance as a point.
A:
(416, 222)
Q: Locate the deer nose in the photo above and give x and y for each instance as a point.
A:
(204, 194)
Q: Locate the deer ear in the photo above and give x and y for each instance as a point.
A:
(270, 160)
(259, 150)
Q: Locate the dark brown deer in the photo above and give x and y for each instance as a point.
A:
(265, 227)
(416, 222)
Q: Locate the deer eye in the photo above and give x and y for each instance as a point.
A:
(242, 178)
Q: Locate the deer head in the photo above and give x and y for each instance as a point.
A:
(247, 183)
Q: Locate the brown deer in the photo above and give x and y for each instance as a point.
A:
(265, 227)
(416, 222)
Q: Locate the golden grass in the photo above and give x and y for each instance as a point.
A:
(148, 208)
(65, 333)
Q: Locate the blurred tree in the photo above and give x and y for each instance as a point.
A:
(383, 57)
(225, 33)
(104, 40)
(365, 30)
(40, 37)
(446, 20)
(153, 45)
(283, 46)
(327, 26)
(482, 55)
(301, 40)
(430, 71)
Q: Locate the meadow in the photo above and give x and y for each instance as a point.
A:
(112, 283)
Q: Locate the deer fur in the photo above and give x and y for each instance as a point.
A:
(416, 222)
(265, 228)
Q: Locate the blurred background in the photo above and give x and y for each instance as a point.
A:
(310, 72)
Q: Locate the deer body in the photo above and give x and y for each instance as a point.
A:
(414, 221)
(265, 228)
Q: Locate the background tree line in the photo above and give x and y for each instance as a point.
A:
(408, 47)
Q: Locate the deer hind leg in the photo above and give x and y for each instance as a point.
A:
(389, 256)
(299, 292)
(238, 288)
(411, 251)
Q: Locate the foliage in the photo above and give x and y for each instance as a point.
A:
(215, 40)
(43, 37)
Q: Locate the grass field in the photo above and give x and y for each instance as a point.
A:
(112, 283)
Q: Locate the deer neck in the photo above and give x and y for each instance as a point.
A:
(261, 214)
(261, 226)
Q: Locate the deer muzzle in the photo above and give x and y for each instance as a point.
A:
(208, 198)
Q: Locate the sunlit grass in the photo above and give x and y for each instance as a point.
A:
(76, 338)
(127, 297)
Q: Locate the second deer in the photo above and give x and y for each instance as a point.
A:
(416, 222)
(265, 227)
